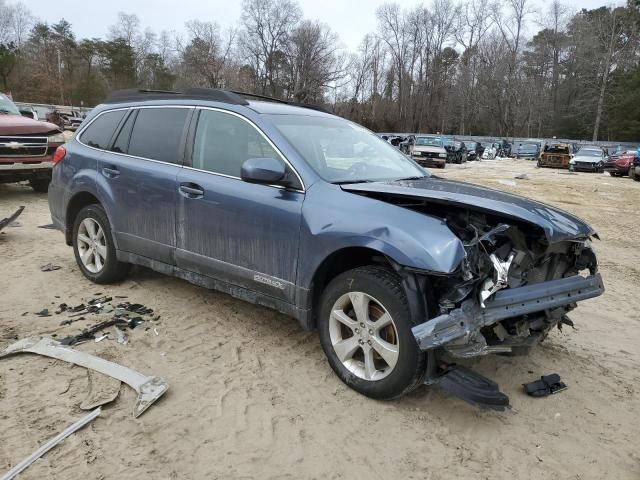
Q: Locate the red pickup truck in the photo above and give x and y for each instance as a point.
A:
(27, 147)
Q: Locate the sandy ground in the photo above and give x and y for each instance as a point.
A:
(252, 396)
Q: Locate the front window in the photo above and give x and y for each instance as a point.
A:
(429, 142)
(590, 153)
(344, 152)
(528, 147)
(7, 107)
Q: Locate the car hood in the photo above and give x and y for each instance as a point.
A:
(19, 125)
(427, 148)
(578, 158)
(557, 224)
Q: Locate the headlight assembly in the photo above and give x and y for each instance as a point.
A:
(57, 138)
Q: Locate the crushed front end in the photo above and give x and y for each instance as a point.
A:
(511, 289)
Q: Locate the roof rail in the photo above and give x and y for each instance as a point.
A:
(138, 95)
(278, 100)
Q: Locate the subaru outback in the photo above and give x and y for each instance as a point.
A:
(295, 209)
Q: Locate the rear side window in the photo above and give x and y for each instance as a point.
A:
(157, 134)
(99, 133)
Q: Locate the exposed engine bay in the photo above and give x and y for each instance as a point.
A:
(506, 256)
(512, 287)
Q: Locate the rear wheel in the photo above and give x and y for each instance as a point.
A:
(365, 331)
(40, 185)
(632, 173)
(94, 248)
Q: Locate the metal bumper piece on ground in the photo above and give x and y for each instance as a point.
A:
(504, 304)
(149, 389)
(9, 220)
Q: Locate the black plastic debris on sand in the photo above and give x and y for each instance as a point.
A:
(125, 315)
(50, 267)
(49, 226)
(43, 313)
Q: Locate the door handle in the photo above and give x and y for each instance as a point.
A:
(110, 172)
(191, 190)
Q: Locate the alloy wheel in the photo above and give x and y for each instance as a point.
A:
(92, 245)
(364, 336)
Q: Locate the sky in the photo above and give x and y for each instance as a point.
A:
(350, 19)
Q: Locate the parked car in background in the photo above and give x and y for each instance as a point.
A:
(556, 155)
(456, 150)
(27, 147)
(590, 158)
(528, 151)
(621, 164)
(407, 143)
(472, 150)
(314, 216)
(429, 151)
(634, 171)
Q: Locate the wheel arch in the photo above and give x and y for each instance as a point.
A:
(77, 203)
(347, 258)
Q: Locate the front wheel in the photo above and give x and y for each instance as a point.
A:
(93, 247)
(365, 331)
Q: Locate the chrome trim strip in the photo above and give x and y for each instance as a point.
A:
(78, 138)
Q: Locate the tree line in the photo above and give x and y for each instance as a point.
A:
(459, 67)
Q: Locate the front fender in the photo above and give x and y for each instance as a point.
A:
(334, 219)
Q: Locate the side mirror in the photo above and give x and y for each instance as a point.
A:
(265, 171)
(28, 113)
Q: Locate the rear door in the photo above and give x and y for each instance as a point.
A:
(138, 178)
(244, 234)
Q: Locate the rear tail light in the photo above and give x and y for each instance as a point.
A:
(59, 155)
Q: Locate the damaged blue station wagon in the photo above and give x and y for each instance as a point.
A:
(298, 210)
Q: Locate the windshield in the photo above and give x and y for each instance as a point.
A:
(7, 106)
(590, 153)
(528, 147)
(344, 152)
(429, 141)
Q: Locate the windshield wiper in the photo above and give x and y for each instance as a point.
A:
(410, 178)
(350, 182)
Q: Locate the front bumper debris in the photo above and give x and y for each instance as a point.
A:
(464, 322)
(471, 387)
(149, 389)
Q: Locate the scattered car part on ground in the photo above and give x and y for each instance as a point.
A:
(50, 267)
(26, 463)
(149, 389)
(102, 389)
(547, 385)
(471, 387)
(5, 222)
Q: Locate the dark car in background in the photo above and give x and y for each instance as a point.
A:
(314, 216)
(528, 151)
(473, 148)
(621, 164)
(456, 150)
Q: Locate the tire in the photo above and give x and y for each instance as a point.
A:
(633, 174)
(40, 185)
(386, 295)
(111, 270)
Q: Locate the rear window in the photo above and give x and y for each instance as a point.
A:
(157, 134)
(99, 133)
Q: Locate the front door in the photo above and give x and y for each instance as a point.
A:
(241, 233)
